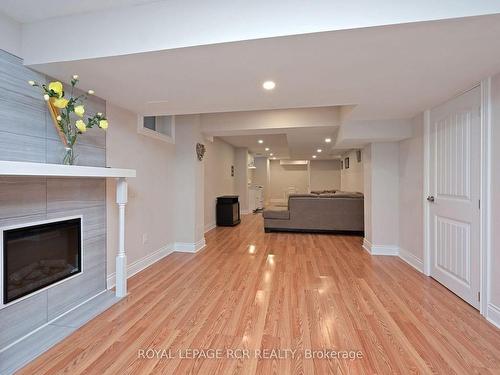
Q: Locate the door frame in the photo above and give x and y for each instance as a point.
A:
(485, 195)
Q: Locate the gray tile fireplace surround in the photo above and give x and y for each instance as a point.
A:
(27, 134)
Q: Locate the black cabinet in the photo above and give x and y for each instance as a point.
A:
(228, 211)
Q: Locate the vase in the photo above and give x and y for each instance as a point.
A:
(69, 156)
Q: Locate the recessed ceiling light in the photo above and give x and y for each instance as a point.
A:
(271, 154)
(260, 141)
(267, 149)
(314, 156)
(319, 150)
(328, 140)
(269, 85)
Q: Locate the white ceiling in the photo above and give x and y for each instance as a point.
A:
(277, 143)
(26, 11)
(290, 143)
(387, 72)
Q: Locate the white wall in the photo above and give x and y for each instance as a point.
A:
(352, 178)
(241, 175)
(284, 176)
(262, 175)
(382, 196)
(189, 185)
(367, 190)
(411, 182)
(325, 174)
(219, 158)
(10, 35)
(495, 196)
(151, 193)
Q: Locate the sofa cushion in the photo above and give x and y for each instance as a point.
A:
(318, 192)
(302, 195)
(348, 194)
(283, 214)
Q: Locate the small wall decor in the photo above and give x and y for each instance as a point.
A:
(358, 156)
(232, 170)
(346, 163)
(67, 114)
(200, 151)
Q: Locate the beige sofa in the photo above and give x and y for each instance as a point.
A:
(337, 212)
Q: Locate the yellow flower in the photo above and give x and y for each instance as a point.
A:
(57, 87)
(80, 125)
(103, 124)
(79, 110)
(60, 103)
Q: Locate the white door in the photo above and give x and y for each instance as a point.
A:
(455, 142)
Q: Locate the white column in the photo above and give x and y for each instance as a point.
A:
(121, 258)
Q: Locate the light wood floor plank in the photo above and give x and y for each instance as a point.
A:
(255, 291)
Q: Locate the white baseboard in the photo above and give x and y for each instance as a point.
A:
(141, 264)
(246, 212)
(411, 259)
(209, 227)
(367, 245)
(188, 247)
(493, 315)
(380, 249)
(403, 254)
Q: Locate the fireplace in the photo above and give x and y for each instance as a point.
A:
(38, 255)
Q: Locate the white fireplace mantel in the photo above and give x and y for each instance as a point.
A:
(15, 168)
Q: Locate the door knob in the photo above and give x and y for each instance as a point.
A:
(430, 198)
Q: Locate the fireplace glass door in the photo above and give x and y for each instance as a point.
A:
(37, 256)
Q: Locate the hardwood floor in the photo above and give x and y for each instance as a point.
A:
(287, 291)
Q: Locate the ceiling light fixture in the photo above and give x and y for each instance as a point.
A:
(319, 150)
(271, 154)
(269, 85)
(314, 156)
(328, 140)
(267, 149)
(260, 141)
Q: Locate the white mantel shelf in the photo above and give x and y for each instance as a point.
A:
(16, 168)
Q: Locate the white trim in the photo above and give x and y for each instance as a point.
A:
(493, 314)
(209, 227)
(141, 264)
(189, 247)
(427, 160)
(384, 250)
(19, 168)
(50, 322)
(485, 219)
(380, 249)
(152, 133)
(31, 224)
(403, 254)
(411, 259)
(367, 245)
(245, 212)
